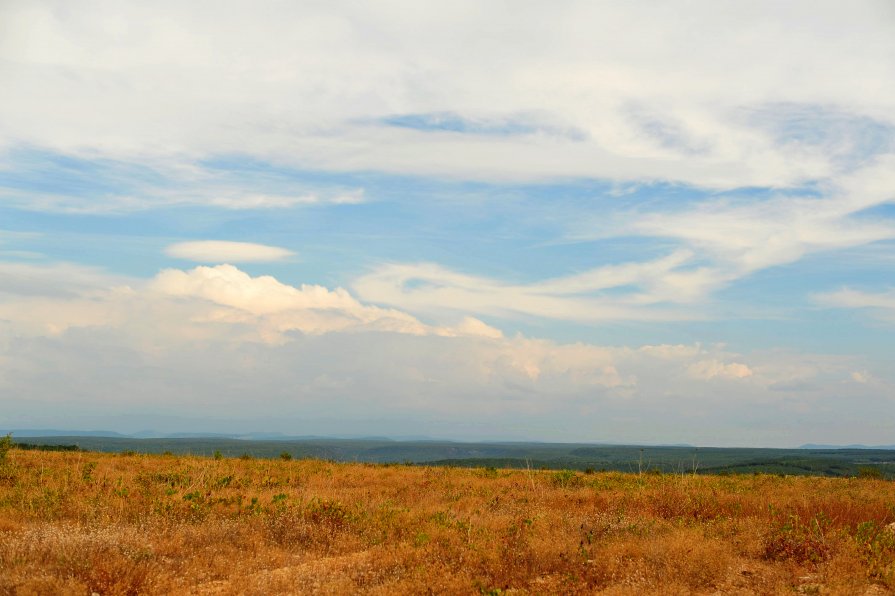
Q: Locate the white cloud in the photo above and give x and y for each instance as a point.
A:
(260, 201)
(881, 304)
(245, 346)
(753, 236)
(274, 308)
(731, 238)
(221, 251)
(591, 90)
(848, 298)
(711, 369)
(672, 351)
(648, 291)
(720, 240)
(473, 327)
(861, 376)
(311, 86)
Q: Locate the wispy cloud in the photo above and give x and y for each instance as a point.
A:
(89, 184)
(735, 236)
(222, 251)
(630, 291)
(579, 66)
(881, 304)
(720, 240)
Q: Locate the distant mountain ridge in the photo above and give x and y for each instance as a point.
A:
(23, 433)
(20, 433)
(32, 433)
(853, 446)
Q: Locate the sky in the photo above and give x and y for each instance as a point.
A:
(632, 222)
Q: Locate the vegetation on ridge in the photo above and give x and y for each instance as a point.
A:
(82, 522)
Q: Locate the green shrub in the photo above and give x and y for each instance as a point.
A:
(87, 471)
(798, 540)
(566, 479)
(877, 544)
(870, 472)
(5, 446)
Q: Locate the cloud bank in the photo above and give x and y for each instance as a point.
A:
(234, 345)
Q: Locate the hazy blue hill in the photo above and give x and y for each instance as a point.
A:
(49, 432)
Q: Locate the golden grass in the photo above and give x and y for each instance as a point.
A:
(80, 523)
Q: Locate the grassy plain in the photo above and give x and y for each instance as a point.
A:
(84, 522)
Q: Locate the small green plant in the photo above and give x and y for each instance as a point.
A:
(421, 539)
(87, 472)
(489, 472)
(565, 479)
(797, 540)
(286, 456)
(877, 544)
(870, 473)
(255, 507)
(5, 446)
(218, 454)
(328, 513)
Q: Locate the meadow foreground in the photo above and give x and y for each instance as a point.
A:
(81, 523)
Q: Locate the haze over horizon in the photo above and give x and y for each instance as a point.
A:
(574, 221)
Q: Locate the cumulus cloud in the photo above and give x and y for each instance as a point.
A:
(711, 369)
(275, 308)
(249, 346)
(221, 251)
(861, 376)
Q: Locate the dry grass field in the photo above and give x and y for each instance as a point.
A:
(82, 523)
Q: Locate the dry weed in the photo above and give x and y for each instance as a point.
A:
(81, 523)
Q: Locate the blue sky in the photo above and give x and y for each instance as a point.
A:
(578, 222)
